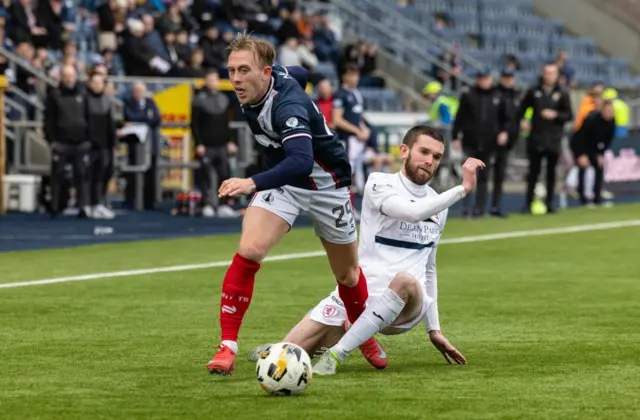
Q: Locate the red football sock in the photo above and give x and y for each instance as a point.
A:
(237, 290)
(354, 298)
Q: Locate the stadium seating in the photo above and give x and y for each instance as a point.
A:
(488, 29)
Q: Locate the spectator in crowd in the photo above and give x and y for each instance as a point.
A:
(139, 57)
(591, 142)
(102, 134)
(589, 103)
(288, 54)
(325, 101)
(511, 63)
(213, 47)
(480, 128)
(112, 16)
(326, 46)
(551, 111)
(176, 18)
(363, 56)
(566, 76)
(142, 109)
(26, 26)
(449, 78)
(182, 47)
(195, 68)
(211, 133)
(66, 130)
(511, 102)
(289, 27)
(348, 109)
(443, 107)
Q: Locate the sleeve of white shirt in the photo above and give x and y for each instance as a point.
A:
(385, 198)
(431, 317)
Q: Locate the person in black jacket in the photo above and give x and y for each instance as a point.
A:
(590, 143)
(511, 101)
(481, 121)
(211, 133)
(140, 108)
(66, 130)
(102, 134)
(551, 111)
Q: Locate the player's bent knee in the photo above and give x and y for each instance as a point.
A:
(350, 276)
(252, 253)
(405, 286)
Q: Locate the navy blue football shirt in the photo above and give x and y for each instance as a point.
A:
(287, 114)
(351, 102)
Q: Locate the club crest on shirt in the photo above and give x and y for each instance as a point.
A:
(379, 187)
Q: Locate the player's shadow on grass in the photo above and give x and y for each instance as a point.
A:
(399, 366)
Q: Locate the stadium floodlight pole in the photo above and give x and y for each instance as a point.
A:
(3, 147)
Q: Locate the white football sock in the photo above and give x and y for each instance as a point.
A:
(378, 315)
(233, 345)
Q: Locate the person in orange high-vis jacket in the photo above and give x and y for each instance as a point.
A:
(589, 103)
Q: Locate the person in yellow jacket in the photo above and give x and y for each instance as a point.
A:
(621, 111)
(443, 108)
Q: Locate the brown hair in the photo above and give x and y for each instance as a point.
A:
(422, 130)
(350, 68)
(263, 50)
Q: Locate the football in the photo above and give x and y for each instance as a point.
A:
(284, 369)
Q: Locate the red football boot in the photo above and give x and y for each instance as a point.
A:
(223, 363)
(372, 351)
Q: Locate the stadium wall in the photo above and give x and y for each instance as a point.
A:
(584, 18)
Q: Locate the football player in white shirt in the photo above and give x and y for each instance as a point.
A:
(402, 221)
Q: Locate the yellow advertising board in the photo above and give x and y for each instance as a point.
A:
(175, 107)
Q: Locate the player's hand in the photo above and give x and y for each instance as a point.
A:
(582, 161)
(236, 186)
(363, 134)
(232, 149)
(443, 345)
(503, 137)
(549, 114)
(469, 173)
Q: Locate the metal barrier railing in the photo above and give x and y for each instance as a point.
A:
(24, 136)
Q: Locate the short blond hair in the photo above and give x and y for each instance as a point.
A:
(263, 50)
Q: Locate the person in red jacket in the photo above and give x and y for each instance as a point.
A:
(325, 101)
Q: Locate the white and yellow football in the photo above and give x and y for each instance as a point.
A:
(284, 369)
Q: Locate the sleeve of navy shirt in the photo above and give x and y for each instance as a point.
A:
(292, 123)
(300, 74)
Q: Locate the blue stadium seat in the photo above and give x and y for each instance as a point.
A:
(464, 6)
(466, 22)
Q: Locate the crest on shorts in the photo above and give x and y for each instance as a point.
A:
(292, 122)
(329, 311)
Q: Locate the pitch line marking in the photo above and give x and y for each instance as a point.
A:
(300, 255)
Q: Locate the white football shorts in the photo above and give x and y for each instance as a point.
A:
(329, 209)
(330, 311)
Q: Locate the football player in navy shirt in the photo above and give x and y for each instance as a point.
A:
(308, 171)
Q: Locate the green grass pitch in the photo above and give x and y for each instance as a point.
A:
(549, 324)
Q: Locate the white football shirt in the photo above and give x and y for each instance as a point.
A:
(388, 245)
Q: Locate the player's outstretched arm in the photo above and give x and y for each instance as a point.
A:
(415, 211)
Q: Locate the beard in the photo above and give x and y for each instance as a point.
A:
(416, 174)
